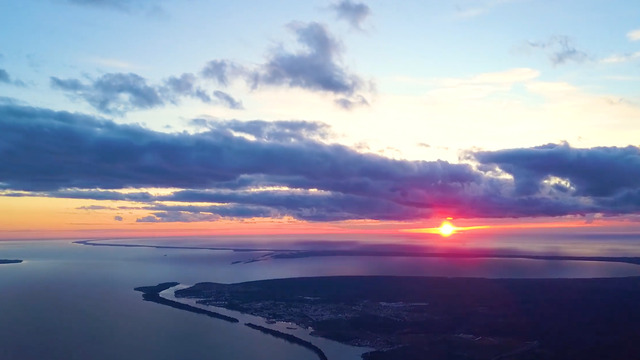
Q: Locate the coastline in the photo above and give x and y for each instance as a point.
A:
(6, 261)
(152, 294)
(392, 252)
(488, 318)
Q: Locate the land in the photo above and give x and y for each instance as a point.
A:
(4, 261)
(152, 294)
(377, 250)
(290, 338)
(450, 318)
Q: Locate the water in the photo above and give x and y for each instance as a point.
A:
(69, 301)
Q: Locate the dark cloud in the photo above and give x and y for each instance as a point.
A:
(354, 13)
(178, 216)
(6, 79)
(119, 93)
(113, 94)
(560, 50)
(71, 155)
(222, 71)
(237, 169)
(353, 102)
(594, 172)
(94, 207)
(118, 218)
(185, 85)
(301, 204)
(316, 67)
(228, 100)
(279, 131)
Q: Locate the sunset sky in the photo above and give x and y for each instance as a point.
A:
(202, 117)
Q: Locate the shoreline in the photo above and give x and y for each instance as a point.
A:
(298, 254)
(6, 261)
(490, 318)
(152, 294)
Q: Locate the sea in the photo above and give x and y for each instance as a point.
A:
(73, 301)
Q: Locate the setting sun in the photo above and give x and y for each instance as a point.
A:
(446, 229)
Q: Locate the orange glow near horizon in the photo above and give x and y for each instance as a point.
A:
(47, 218)
(446, 228)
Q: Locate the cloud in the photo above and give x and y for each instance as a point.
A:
(277, 131)
(560, 50)
(185, 85)
(594, 172)
(634, 35)
(615, 59)
(353, 102)
(354, 13)
(178, 216)
(228, 100)
(316, 67)
(6, 79)
(115, 93)
(118, 218)
(236, 169)
(222, 71)
(119, 93)
(94, 207)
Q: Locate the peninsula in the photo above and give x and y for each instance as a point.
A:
(450, 318)
(4, 261)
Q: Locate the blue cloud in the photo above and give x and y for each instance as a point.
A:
(6, 79)
(354, 13)
(316, 67)
(113, 94)
(228, 100)
(119, 93)
(67, 155)
(560, 50)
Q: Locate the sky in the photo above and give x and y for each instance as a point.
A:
(183, 117)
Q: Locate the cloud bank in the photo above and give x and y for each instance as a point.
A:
(119, 93)
(235, 169)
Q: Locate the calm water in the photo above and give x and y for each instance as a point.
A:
(70, 301)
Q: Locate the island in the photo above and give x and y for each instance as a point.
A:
(5, 261)
(449, 318)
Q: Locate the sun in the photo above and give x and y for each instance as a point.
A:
(446, 229)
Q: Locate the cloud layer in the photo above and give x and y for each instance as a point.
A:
(273, 169)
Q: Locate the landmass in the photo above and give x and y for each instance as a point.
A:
(450, 318)
(290, 338)
(378, 250)
(152, 294)
(5, 261)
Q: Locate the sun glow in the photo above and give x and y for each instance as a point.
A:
(446, 229)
